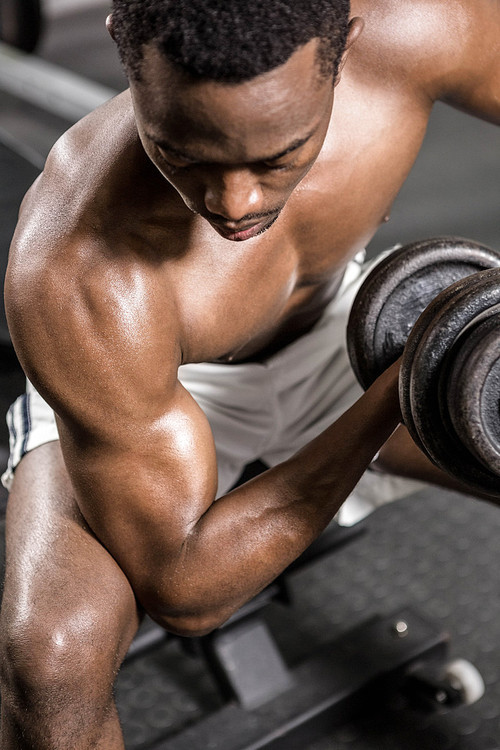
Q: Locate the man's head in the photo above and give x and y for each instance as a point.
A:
(230, 41)
(234, 120)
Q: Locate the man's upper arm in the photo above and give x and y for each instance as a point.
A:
(445, 50)
(100, 344)
(144, 483)
(472, 81)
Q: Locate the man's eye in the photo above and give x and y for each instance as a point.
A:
(278, 166)
(173, 161)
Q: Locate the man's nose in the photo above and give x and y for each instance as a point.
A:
(234, 194)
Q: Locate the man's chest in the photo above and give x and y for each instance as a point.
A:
(238, 297)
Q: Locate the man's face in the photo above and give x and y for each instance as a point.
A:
(234, 152)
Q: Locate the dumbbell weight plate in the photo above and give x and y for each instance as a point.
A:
(473, 388)
(423, 380)
(398, 289)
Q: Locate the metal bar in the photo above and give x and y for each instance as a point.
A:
(49, 87)
(55, 8)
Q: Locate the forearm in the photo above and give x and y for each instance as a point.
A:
(400, 456)
(246, 538)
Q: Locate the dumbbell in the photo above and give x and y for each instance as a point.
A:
(437, 303)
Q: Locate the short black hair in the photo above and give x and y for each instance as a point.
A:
(229, 40)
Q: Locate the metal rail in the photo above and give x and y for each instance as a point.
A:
(48, 86)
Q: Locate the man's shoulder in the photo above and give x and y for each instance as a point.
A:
(80, 202)
(430, 44)
(79, 173)
(416, 24)
(83, 311)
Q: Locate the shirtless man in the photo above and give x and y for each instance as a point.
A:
(206, 218)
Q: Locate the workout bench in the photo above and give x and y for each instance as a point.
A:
(269, 706)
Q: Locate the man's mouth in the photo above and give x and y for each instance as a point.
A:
(245, 233)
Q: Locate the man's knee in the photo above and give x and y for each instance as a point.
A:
(44, 660)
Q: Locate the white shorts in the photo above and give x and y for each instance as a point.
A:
(266, 410)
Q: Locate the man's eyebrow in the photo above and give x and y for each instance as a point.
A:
(292, 147)
(191, 158)
(171, 149)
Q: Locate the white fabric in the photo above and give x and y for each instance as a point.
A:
(265, 410)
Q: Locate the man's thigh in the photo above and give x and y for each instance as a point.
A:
(60, 581)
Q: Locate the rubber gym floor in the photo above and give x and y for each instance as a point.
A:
(437, 551)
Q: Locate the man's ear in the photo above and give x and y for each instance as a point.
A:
(356, 26)
(109, 26)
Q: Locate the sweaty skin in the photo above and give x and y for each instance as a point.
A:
(190, 221)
